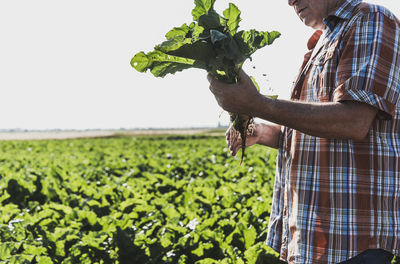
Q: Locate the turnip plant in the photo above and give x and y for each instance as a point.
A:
(211, 42)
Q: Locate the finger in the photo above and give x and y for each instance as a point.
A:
(227, 134)
(233, 137)
(236, 149)
(236, 146)
(233, 142)
(233, 151)
(232, 146)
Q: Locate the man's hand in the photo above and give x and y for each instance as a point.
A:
(236, 98)
(263, 134)
(234, 141)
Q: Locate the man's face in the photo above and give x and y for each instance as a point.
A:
(313, 12)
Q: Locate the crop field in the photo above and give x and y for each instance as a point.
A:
(165, 199)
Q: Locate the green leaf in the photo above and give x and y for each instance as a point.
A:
(199, 251)
(232, 14)
(228, 51)
(8, 249)
(213, 261)
(34, 250)
(192, 31)
(261, 253)
(60, 207)
(173, 44)
(252, 40)
(160, 64)
(90, 216)
(202, 8)
(200, 51)
(271, 36)
(21, 259)
(212, 20)
(178, 31)
(93, 240)
(44, 260)
(250, 235)
(170, 212)
(166, 241)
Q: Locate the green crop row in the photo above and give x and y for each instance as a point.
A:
(134, 200)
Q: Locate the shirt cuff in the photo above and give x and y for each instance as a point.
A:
(385, 107)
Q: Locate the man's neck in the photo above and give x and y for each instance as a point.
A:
(334, 5)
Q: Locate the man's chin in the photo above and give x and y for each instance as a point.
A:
(313, 24)
(307, 22)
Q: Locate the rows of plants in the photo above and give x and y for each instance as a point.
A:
(134, 200)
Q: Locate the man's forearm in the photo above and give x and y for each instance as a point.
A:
(340, 120)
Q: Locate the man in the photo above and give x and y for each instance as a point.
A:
(337, 187)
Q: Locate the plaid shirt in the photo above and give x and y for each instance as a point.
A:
(335, 198)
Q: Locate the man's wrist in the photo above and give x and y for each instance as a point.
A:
(269, 135)
(260, 106)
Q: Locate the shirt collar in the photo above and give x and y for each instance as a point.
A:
(312, 42)
(344, 12)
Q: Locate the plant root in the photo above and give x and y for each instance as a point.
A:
(244, 126)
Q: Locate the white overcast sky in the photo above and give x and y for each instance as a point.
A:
(65, 63)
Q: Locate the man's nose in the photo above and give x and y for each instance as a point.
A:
(292, 2)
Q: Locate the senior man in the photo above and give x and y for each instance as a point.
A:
(337, 186)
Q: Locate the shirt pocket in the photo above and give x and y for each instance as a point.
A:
(324, 76)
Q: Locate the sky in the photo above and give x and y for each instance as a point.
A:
(65, 64)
